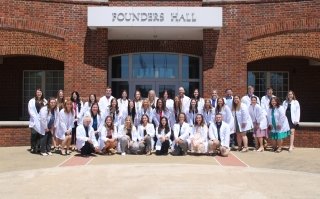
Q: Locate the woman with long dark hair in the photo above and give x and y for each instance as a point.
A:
(77, 105)
(109, 137)
(199, 136)
(146, 132)
(34, 106)
(163, 133)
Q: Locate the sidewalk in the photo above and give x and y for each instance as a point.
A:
(260, 175)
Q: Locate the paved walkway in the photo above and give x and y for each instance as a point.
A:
(249, 175)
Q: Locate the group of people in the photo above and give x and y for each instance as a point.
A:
(141, 126)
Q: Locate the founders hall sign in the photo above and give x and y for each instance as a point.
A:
(204, 17)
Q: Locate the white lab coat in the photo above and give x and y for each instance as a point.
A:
(228, 102)
(227, 117)
(243, 117)
(204, 135)
(209, 116)
(169, 104)
(258, 115)
(34, 121)
(81, 136)
(149, 128)
(123, 104)
(66, 123)
(185, 131)
(295, 110)
(185, 104)
(135, 135)
(118, 117)
(100, 120)
(78, 112)
(84, 110)
(104, 104)
(200, 104)
(45, 118)
(103, 136)
(265, 102)
(280, 118)
(224, 133)
(138, 105)
(160, 134)
(247, 100)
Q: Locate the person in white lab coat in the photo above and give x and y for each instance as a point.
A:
(200, 100)
(242, 122)
(193, 111)
(169, 102)
(137, 101)
(260, 123)
(292, 108)
(152, 98)
(86, 140)
(163, 133)
(185, 100)
(145, 110)
(77, 106)
(181, 132)
(123, 101)
(131, 111)
(199, 136)
(129, 137)
(34, 106)
(87, 105)
(177, 108)
(208, 112)
(64, 130)
(227, 117)
(162, 111)
(114, 111)
(105, 101)
(97, 120)
(247, 98)
(60, 99)
(146, 132)
(219, 136)
(214, 98)
(278, 124)
(48, 122)
(265, 100)
(228, 99)
(108, 139)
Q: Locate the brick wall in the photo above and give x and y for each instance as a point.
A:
(20, 136)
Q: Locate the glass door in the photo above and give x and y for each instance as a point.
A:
(144, 88)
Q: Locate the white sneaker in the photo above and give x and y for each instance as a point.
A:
(123, 153)
(49, 153)
(44, 154)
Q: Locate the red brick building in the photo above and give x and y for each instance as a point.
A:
(266, 43)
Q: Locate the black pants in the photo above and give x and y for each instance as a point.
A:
(45, 142)
(233, 140)
(251, 141)
(87, 149)
(74, 133)
(164, 148)
(34, 141)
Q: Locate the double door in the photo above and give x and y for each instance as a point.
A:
(158, 86)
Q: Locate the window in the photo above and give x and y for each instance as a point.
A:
(157, 71)
(261, 80)
(49, 81)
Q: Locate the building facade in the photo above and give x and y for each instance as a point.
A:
(265, 43)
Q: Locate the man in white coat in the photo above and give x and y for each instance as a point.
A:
(214, 98)
(185, 100)
(219, 136)
(265, 100)
(105, 101)
(228, 99)
(247, 98)
(86, 140)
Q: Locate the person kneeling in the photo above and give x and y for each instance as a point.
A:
(181, 131)
(219, 136)
(163, 133)
(86, 141)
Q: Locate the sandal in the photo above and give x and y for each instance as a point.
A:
(260, 150)
(244, 149)
(278, 150)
